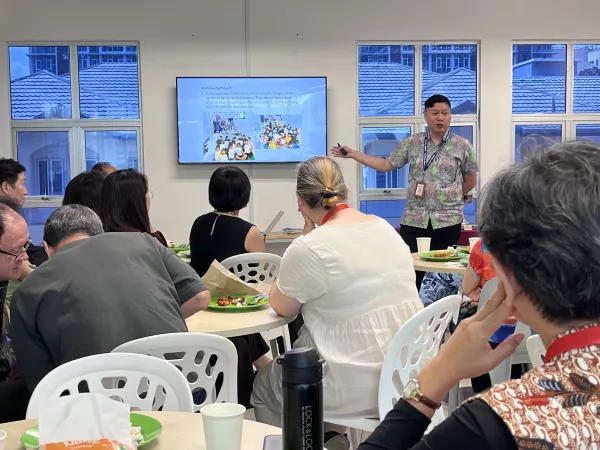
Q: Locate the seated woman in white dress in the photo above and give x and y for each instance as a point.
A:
(353, 281)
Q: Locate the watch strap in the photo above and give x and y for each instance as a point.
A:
(426, 401)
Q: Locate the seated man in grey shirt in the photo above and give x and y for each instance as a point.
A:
(97, 291)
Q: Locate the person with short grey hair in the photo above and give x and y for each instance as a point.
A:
(70, 223)
(97, 291)
(540, 220)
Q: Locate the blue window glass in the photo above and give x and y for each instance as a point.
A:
(380, 141)
(529, 138)
(539, 78)
(586, 82)
(118, 148)
(588, 132)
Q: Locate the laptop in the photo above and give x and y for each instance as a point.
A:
(273, 223)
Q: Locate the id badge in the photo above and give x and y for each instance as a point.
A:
(420, 190)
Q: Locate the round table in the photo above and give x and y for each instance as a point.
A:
(230, 324)
(437, 267)
(181, 431)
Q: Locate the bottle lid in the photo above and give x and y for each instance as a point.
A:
(301, 366)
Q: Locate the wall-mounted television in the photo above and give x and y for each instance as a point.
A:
(251, 119)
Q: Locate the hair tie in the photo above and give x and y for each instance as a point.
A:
(328, 193)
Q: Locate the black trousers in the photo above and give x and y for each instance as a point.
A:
(441, 239)
(14, 398)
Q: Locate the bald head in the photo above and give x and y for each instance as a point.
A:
(13, 238)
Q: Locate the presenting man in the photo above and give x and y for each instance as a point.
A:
(96, 292)
(442, 170)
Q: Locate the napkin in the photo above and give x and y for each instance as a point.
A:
(85, 422)
(220, 282)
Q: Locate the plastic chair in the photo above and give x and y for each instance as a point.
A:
(143, 382)
(536, 350)
(200, 357)
(260, 268)
(416, 343)
(254, 267)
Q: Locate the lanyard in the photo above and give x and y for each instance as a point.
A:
(427, 163)
(575, 340)
(339, 207)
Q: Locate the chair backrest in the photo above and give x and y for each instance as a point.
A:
(143, 382)
(254, 267)
(416, 343)
(487, 291)
(536, 350)
(201, 357)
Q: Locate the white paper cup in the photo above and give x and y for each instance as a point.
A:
(223, 424)
(473, 241)
(423, 245)
(2, 439)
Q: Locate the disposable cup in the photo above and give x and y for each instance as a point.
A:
(223, 423)
(423, 244)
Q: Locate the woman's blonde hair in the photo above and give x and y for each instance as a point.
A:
(320, 183)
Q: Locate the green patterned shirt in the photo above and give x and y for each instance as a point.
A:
(443, 202)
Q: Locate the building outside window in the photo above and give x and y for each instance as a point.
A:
(391, 108)
(73, 112)
(555, 96)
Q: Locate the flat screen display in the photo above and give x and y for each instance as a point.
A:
(251, 119)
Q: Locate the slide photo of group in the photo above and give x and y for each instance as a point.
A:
(231, 138)
(279, 131)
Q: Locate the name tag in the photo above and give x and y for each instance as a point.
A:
(420, 190)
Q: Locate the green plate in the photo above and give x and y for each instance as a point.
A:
(233, 308)
(151, 429)
(429, 256)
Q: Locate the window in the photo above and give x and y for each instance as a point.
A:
(391, 108)
(556, 94)
(100, 119)
(529, 138)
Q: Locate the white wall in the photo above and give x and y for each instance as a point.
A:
(287, 37)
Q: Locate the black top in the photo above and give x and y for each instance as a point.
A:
(228, 239)
(473, 426)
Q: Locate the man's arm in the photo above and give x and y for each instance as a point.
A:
(374, 162)
(188, 284)
(197, 303)
(469, 182)
(398, 157)
(34, 358)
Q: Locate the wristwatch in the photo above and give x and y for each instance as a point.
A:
(412, 392)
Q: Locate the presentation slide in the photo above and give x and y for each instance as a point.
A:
(251, 120)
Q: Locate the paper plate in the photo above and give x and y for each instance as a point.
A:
(437, 256)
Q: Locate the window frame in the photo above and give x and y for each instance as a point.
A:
(416, 122)
(569, 119)
(75, 126)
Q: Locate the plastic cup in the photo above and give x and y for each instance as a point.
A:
(473, 241)
(223, 424)
(2, 439)
(423, 245)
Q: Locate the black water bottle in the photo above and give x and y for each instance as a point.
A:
(302, 399)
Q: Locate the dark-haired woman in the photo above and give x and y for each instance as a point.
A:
(219, 235)
(125, 203)
(85, 189)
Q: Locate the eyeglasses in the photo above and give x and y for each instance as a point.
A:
(18, 255)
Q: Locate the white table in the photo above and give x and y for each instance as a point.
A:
(230, 324)
(437, 267)
(181, 431)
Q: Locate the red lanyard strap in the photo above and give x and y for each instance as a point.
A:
(578, 339)
(339, 207)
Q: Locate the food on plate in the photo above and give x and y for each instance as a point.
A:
(136, 435)
(444, 255)
(226, 301)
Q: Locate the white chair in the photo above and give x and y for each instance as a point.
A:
(200, 357)
(255, 268)
(416, 343)
(143, 382)
(536, 350)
